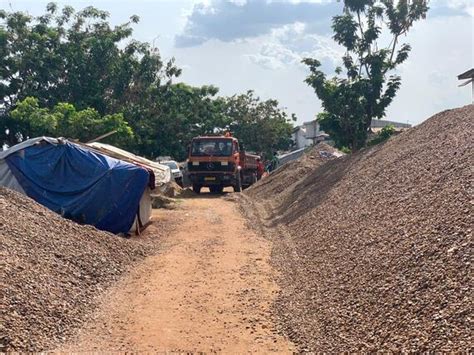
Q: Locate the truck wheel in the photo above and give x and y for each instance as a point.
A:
(197, 188)
(220, 189)
(238, 184)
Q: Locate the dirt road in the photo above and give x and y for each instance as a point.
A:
(209, 290)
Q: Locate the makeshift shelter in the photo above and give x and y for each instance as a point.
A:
(162, 172)
(78, 183)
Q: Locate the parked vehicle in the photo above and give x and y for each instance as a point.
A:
(219, 161)
(176, 172)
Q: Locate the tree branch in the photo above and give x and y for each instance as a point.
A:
(395, 39)
(360, 51)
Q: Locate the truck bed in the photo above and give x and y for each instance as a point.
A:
(248, 161)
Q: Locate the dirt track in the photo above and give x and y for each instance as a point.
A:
(209, 290)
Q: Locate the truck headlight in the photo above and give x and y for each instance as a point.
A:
(224, 163)
(195, 163)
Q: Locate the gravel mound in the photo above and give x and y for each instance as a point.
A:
(279, 183)
(52, 269)
(375, 249)
(171, 189)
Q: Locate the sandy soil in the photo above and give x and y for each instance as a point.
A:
(209, 290)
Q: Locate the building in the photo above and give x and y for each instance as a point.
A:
(377, 125)
(310, 132)
(469, 77)
(307, 134)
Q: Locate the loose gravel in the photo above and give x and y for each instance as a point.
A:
(274, 188)
(375, 249)
(52, 271)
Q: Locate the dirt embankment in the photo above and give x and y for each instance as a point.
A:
(52, 272)
(375, 249)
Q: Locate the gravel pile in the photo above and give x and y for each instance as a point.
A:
(275, 187)
(52, 271)
(375, 249)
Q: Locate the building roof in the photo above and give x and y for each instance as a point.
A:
(466, 75)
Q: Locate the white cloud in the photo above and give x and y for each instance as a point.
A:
(269, 61)
(466, 6)
(274, 55)
(300, 1)
(231, 20)
(290, 44)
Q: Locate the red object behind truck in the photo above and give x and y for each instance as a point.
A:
(218, 161)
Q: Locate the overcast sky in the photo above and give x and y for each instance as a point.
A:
(258, 44)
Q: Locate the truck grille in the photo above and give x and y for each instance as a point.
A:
(210, 166)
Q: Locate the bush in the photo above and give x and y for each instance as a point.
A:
(345, 150)
(382, 136)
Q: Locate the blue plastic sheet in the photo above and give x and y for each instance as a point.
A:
(82, 185)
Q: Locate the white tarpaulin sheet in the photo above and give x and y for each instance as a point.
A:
(26, 144)
(162, 172)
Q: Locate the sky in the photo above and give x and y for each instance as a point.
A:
(238, 45)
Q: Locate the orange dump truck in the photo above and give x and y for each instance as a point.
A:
(218, 161)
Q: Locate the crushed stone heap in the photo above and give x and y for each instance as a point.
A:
(276, 187)
(375, 249)
(51, 271)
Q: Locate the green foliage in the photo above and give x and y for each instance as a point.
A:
(387, 132)
(75, 57)
(182, 112)
(63, 120)
(72, 74)
(177, 114)
(345, 150)
(384, 134)
(261, 126)
(351, 102)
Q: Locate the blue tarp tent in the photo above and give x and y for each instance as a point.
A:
(76, 182)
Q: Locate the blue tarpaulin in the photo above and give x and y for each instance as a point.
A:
(80, 184)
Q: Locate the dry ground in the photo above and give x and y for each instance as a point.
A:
(210, 290)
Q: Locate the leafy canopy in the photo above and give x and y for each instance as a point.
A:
(75, 57)
(183, 112)
(261, 126)
(350, 102)
(72, 74)
(63, 120)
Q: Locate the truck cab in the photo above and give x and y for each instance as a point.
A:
(217, 162)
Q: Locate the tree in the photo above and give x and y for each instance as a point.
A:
(63, 120)
(351, 102)
(173, 116)
(75, 57)
(66, 69)
(261, 126)
(180, 112)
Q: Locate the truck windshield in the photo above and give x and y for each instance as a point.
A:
(214, 147)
